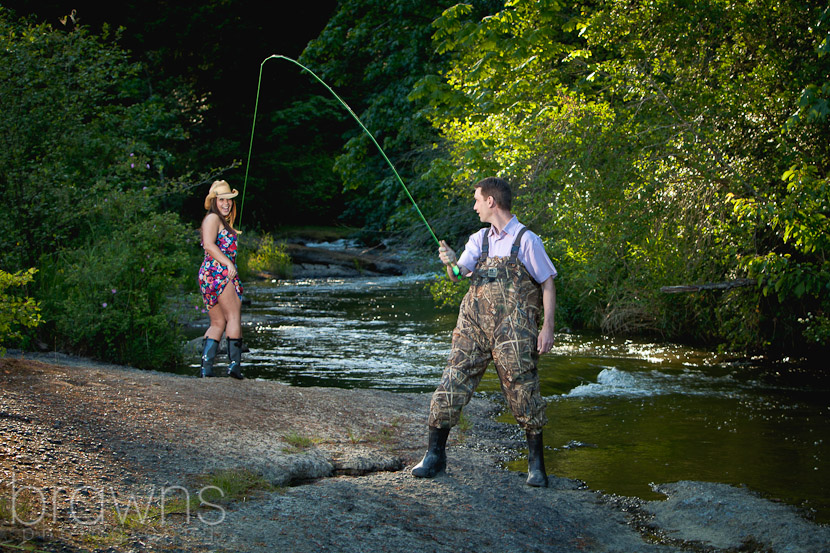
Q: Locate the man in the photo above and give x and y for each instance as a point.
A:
(511, 281)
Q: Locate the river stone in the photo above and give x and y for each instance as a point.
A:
(287, 470)
(359, 463)
(727, 517)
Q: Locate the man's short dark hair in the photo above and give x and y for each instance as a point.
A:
(499, 189)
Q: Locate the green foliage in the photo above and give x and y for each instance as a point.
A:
(112, 297)
(789, 216)
(84, 146)
(714, 101)
(270, 257)
(447, 293)
(79, 123)
(797, 274)
(644, 142)
(15, 311)
(373, 52)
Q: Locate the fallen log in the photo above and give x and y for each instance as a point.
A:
(728, 285)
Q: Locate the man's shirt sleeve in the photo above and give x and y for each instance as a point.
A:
(472, 251)
(535, 259)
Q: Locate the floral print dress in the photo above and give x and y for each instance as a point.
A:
(213, 276)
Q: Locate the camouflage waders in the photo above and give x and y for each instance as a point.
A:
(498, 321)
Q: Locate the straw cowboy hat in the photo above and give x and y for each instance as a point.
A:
(220, 189)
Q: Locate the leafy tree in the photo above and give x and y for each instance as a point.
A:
(79, 127)
(205, 55)
(84, 150)
(373, 52)
(630, 129)
(507, 106)
(729, 75)
(791, 215)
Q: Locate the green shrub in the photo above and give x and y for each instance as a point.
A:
(112, 299)
(447, 293)
(91, 181)
(79, 127)
(270, 257)
(16, 311)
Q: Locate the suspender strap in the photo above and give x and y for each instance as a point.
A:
(514, 250)
(485, 247)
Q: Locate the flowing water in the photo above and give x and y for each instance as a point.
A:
(623, 414)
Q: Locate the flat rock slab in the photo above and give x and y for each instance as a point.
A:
(726, 517)
(341, 460)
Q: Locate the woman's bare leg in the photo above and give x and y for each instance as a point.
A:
(231, 311)
(218, 321)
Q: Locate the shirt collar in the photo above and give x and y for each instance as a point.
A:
(510, 229)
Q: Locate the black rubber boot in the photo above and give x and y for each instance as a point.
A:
(435, 460)
(235, 355)
(536, 475)
(209, 349)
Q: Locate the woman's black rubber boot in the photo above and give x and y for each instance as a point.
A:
(435, 460)
(536, 475)
(235, 355)
(209, 349)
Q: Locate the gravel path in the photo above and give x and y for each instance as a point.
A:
(80, 440)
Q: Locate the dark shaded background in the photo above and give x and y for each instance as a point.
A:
(216, 47)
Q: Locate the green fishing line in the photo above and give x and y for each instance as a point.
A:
(352, 113)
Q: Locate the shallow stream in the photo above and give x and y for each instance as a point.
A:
(623, 414)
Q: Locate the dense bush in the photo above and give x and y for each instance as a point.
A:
(113, 297)
(268, 257)
(16, 311)
(84, 147)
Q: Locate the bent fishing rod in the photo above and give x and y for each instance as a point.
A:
(455, 269)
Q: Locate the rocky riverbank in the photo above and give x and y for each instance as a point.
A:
(82, 442)
(341, 258)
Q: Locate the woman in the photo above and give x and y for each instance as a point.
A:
(223, 302)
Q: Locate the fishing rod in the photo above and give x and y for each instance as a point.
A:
(359, 122)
